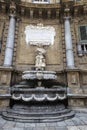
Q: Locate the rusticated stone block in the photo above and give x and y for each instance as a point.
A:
(76, 102)
(4, 103)
(73, 79)
(4, 79)
(75, 90)
(5, 75)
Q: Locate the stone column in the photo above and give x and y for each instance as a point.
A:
(10, 42)
(68, 43)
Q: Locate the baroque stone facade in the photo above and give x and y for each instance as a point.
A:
(67, 55)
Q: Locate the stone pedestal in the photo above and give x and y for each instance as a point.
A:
(76, 97)
(5, 79)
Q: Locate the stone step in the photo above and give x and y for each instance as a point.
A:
(33, 114)
(35, 108)
(36, 118)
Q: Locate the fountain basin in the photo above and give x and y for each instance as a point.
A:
(38, 95)
(45, 75)
(40, 98)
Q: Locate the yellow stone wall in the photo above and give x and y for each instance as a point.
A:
(80, 61)
(26, 53)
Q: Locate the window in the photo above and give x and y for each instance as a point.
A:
(83, 33)
(78, 0)
(82, 45)
(0, 45)
(40, 1)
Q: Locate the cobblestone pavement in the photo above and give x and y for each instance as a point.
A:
(79, 122)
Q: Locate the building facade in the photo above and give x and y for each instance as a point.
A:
(66, 54)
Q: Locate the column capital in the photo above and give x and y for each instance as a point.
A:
(12, 8)
(67, 18)
(12, 15)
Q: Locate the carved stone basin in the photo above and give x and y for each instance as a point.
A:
(40, 75)
(39, 95)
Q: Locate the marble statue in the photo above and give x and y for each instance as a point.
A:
(40, 59)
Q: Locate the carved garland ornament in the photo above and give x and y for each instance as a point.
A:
(34, 97)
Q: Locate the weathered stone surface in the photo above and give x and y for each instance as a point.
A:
(61, 128)
(30, 125)
(28, 51)
(4, 103)
(28, 128)
(76, 102)
(73, 128)
(77, 121)
(69, 122)
(13, 129)
(9, 125)
(50, 128)
(82, 127)
(24, 55)
(62, 123)
(20, 125)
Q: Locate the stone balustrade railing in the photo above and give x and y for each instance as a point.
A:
(82, 48)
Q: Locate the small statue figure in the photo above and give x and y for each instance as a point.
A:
(40, 59)
(12, 7)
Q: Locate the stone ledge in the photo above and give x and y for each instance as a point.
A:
(75, 69)
(5, 96)
(77, 96)
(36, 5)
(2, 86)
(6, 68)
(38, 89)
(82, 110)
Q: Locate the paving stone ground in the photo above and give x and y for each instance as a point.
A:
(79, 122)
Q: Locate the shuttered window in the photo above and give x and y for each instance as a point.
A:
(83, 33)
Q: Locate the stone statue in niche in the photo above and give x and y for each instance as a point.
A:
(40, 63)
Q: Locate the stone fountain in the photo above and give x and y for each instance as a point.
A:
(38, 97)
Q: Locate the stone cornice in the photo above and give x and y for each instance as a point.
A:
(33, 5)
(6, 68)
(66, 7)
